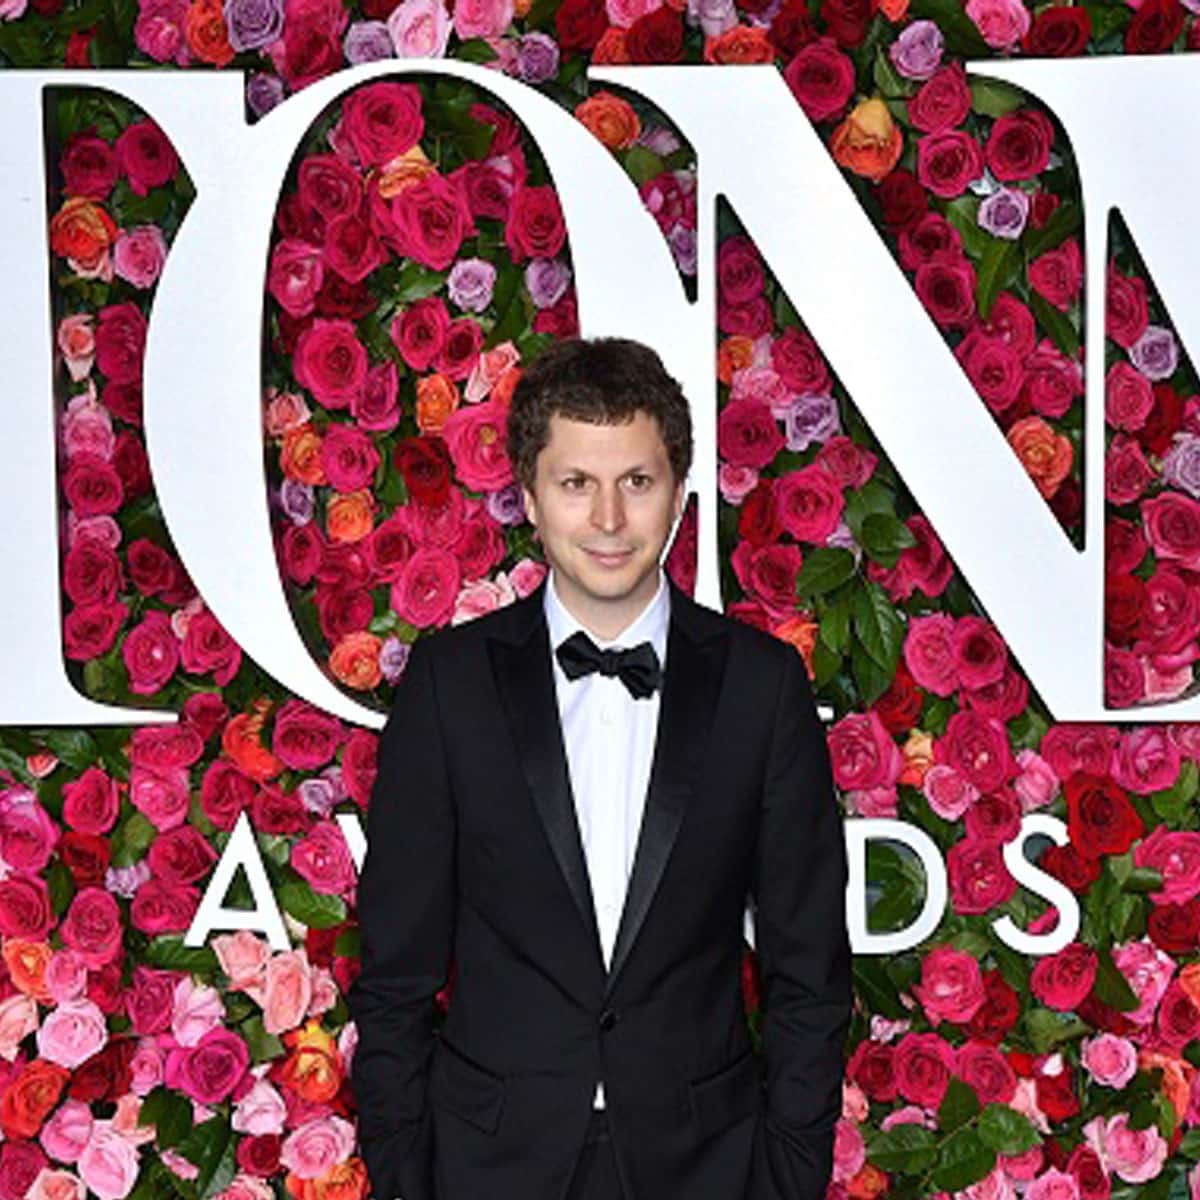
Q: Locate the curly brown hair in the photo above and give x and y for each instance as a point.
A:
(601, 380)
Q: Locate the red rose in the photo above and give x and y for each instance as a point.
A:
(751, 319)
(92, 927)
(121, 342)
(92, 572)
(360, 765)
(847, 20)
(426, 590)
(352, 249)
(768, 574)
(89, 166)
(479, 547)
(1100, 817)
(86, 856)
(656, 37)
(900, 706)
(931, 239)
(337, 298)
(1172, 523)
(739, 270)
(300, 550)
(105, 1077)
(947, 290)
(489, 186)
(1070, 867)
(91, 629)
(1170, 618)
(382, 121)
(343, 611)
(1165, 420)
(259, 1155)
(159, 907)
(1126, 313)
(810, 503)
(91, 487)
(206, 713)
(799, 363)
(1124, 602)
(149, 1000)
(151, 568)
(1059, 32)
(460, 350)
(224, 793)
(329, 186)
(1155, 26)
(1175, 928)
(146, 156)
(330, 361)
(390, 546)
(20, 1165)
(430, 219)
(821, 78)
(871, 1066)
(535, 223)
(758, 519)
(150, 653)
(162, 747)
(1057, 275)
(948, 161)
(1019, 145)
(304, 737)
(580, 24)
(902, 198)
(1056, 1095)
(1070, 748)
(311, 45)
(942, 101)
(993, 367)
(747, 434)
(1090, 1174)
(30, 1097)
(998, 1013)
(420, 331)
(1124, 679)
(561, 320)
(181, 855)
(25, 908)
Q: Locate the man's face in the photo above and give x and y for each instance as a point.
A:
(603, 502)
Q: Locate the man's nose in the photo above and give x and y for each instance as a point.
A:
(608, 510)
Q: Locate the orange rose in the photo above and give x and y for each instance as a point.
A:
(343, 1181)
(1189, 980)
(403, 171)
(502, 392)
(918, 758)
(82, 232)
(349, 517)
(868, 142)
(1046, 455)
(355, 661)
(867, 1183)
(521, 8)
(300, 457)
(611, 47)
(242, 741)
(894, 10)
(30, 1098)
(313, 1069)
(26, 963)
(1176, 1077)
(206, 33)
(437, 398)
(740, 44)
(800, 632)
(735, 354)
(611, 119)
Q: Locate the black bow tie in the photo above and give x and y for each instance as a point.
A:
(638, 669)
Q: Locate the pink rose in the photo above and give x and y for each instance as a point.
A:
(849, 1150)
(1003, 23)
(72, 1033)
(67, 1131)
(109, 1163)
(419, 29)
(305, 738)
(310, 1151)
(87, 428)
(323, 859)
(951, 987)
(139, 255)
(1054, 1184)
(978, 747)
(1063, 980)
(288, 986)
(28, 833)
(146, 1067)
(162, 797)
(150, 998)
(979, 880)
(1109, 1059)
(196, 1008)
(1148, 971)
(1173, 528)
(295, 276)
(330, 361)
(25, 911)
(948, 793)
(526, 575)
(18, 1019)
(1037, 784)
(150, 653)
(1070, 748)
(1146, 760)
(209, 1071)
(863, 753)
(77, 344)
(929, 653)
(93, 927)
(923, 1064)
(476, 436)
(1134, 1155)
(243, 957)
(1175, 854)
(260, 1111)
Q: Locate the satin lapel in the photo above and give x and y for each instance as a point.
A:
(525, 679)
(695, 665)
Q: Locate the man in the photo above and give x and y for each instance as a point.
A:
(576, 794)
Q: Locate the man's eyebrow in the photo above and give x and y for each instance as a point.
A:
(637, 467)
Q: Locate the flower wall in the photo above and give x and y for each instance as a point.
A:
(418, 260)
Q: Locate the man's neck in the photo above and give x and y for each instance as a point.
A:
(606, 621)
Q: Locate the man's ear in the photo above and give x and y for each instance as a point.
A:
(530, 504)
(677, 506)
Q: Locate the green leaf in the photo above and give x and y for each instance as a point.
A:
(415, 282)
(993, 98)
(475, 50)
(1108, 19)
(904, 1149)
(60, 886)
(1063, 222)
(1144, 879)
(348, 943)
(169, 951)
(263, 1046)
(884, 536)
(75, 747)
(874, 987)
(1046, 1029)
(826, 664)
(131, 839)
(1057, 324)
(1000, 265)
(963, 213)
(824, 569)
(314, 909)
(1111, 986)
(171, 1117)
(1007, 1131)
(961, 33)
(878, 626)
(888, 80)
(835, 625)
(1189, 1145)
(204, 1147)
(641, 164)
(870, 678)
(964, 1159)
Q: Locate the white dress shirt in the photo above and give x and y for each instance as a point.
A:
(609, 739)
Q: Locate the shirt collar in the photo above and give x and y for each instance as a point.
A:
(649, 625)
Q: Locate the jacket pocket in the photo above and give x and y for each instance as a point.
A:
(465, 1088)
(727, 1095)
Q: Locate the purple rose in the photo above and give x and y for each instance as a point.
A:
(1181, 463)
(682, 241)
(537, 58)
(506, 506)
(1004, 213)
(317, 795)
(297, 501)
(659, 139)
(1155, 353)
(547, 279)
(917, 52)
(393, 655)
(811, 419)
(470, 284)
(253, 23)
(368, 41)
(263, 93)
(713, 16)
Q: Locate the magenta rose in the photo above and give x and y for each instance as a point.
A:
(208, 647)
(429, 221)
(1172, 523)
(209, 1071)
(768, 574)
(165, 746)
(942, 101)
(425, 593)
(978, 748)
(150, 998)
(182, 855)
(146, 156)
(535, 227)
(323, 859)
(351, 248)
(799, 363)
(1174, 854)
(1146, 760)
(160, 907)
(747, 434)
(92, 487)
(360, 765)
(1062, 981)
(947, 290)
(329, 186)
(1070, 749)
(821, 78)
(348, 457)
(809, 503)
(91, 629)
(93, 927)
(121, 342)
(1127, 474)
(1126, 312)
(1057, 275)
(1128, 397)
(89, 166)
(1019, 145)
(979, 652)
(150, 653)
(92, 572)
(929, 653)
(382, 121)
(476, 436)
(979, 880)
(162, 796)
(951, 987)
(295, 276)
(25, 911)
(224, 793)
(330, 361)
(91, 803)
(420, 331)
(947, 161)
(863, 753)
(922, 1066)
(304, 737)
(739, 270)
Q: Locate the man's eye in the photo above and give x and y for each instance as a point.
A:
(573, 482)
(639, 481)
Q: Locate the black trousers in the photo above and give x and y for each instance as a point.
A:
(595, 1175)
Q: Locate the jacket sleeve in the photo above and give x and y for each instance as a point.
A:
(803, 950)
(406, 911)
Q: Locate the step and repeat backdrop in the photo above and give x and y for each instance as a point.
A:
(177, 898)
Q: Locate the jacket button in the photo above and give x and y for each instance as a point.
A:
(608, 1019)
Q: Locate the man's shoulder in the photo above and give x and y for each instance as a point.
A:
(504, 622)
(761, 647)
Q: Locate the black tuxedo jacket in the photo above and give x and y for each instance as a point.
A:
(474, 854)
